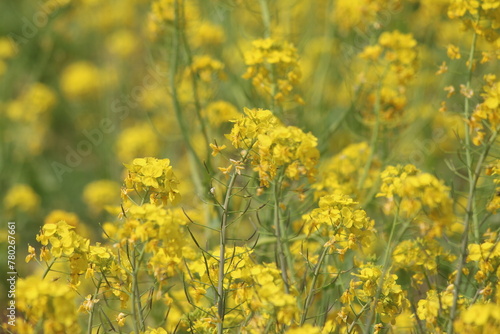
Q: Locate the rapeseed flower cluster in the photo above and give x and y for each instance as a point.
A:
(393, 64)
(418, 196)
(339, 221)
(273, 66)
(342, 172)
(485, 119)
(273, 146)
(155, 178)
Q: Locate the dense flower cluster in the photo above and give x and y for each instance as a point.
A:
(273, 66)
(435, 305)
(154, 177)
(31, 113)
(342, 171)
(419, 196)
(389, 297)
(393, 63)
(419, 257)
(274, 145)
(256, 289)
(207, 69)
(340, 221)
(486, 116)
(52, 302)
(481, 16)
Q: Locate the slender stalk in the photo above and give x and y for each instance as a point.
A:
(134, 295)
(174, 64)
(468, 153)
(48, 268)
(310, 295)
(220, 300)
(467, 222)
(135, 262)
(266, 22)
(194, 81)
(279, 233)
(374, 137)
(266, 18)
(470, 208)
(91, 316)
(386, 266)
(358, 315)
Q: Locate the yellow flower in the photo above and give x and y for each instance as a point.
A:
(342, 172)
(216, 149)
(33, 105)
(274, 146)
(31, 254)
(154, 176)
(81, 79)
(206, 68)
(136, 141)
(486, 115)
(56, 215)
(273, 63)
(122, 43)
(100, 194)
(219, 112)
(21, 198)
(120, 319)
(48, 304)
(88, 304)
(453, 52)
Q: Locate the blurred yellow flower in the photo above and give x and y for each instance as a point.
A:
(80, 79)
(21, 198)
(137, 141)
(99, 194)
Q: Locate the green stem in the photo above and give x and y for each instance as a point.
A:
(48, 268)
(91, 316)
(467, 222)
(136, 295)
(220, 300)
(374, 138)
(468, 153)
(279, 233)
(310, 295)
(386, 266)
(196, 96)
(266, 18)
(176, 104)
(358, 315)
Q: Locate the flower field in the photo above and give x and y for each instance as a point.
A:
(261, 166)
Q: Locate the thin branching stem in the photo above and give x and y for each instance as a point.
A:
(465, 239)
(386, 266)
(220, 300)
(312, 289)
(91, 315)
